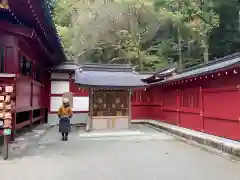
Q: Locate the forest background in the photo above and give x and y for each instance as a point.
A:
(149, 34)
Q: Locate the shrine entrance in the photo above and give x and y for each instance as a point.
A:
(109, 94)
(110, 109)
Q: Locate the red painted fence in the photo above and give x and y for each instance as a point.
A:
(210, 104)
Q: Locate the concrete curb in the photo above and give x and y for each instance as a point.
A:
(221, 144)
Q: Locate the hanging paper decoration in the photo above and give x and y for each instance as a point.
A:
(117, 100)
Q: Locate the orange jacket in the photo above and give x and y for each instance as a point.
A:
(65, 111)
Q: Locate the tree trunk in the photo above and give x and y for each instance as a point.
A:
(140, 61)
(180, 50)
(206, 53)
(189, 47)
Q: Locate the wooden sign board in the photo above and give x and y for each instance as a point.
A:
(6, 103)
(7, 107)
(7, 132)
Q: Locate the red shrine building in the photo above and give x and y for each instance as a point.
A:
(28, 44)
(204, 98)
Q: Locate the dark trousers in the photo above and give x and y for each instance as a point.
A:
(64, 134)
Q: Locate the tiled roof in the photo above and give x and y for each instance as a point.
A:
(160, 73)
(107, 67)
(66, 66)
(213, 66)
(104, 76)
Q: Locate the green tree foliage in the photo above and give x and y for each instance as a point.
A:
(226, 39)
(149, 34)
(192, 21)
(108, 31)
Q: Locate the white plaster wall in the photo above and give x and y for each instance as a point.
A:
(78, 118)
(59, 87)
(81, 103)
(55, 103)
(60, 76)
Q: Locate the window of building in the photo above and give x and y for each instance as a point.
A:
(25, 67)
(2, 60)
(28, 68)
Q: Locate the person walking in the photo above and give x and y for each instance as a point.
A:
(64, 114)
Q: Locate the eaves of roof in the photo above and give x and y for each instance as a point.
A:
(214, 66)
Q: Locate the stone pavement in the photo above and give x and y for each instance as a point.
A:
(140, 154)
(218, 144)
(26, 139)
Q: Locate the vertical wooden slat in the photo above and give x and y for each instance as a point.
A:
(31, 111)
(201, 107)
(129, 108)
(13, 126)
(5, 147)
(178, 106)
(89, 112)
(14, 114)
(3, 59)
(31, 120)
(90, 120)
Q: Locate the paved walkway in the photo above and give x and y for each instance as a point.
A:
(140, 154)
(217, 143)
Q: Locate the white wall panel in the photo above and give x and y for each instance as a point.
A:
(60, 76)
(59, 87)
(55, 103)
(80, 103)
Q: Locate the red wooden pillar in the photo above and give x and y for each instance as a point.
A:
(14, 114)
(137, 97)
(31, 111)
(31, 120)
(5, 147)
(178, 106)
(161, 100)
(43, 115)
(140, 96)
(201, 107)
(13, 126)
